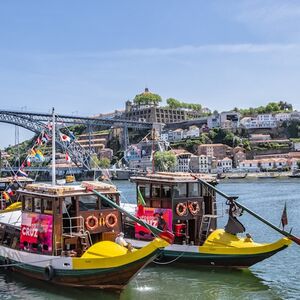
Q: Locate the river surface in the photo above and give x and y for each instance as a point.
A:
(275, 278)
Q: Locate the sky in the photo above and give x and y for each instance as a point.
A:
(89, 57)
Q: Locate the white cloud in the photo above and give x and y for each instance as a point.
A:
(244, 48)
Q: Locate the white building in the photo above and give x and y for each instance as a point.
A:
(164, 136)
(266, 121)
(192, 132)
(200, 164)
(213, 121)
(294, 164)
(175, 135)
(296, 146)
(249, 122)
(261, 121)
(224, 165)
(284, 116)
(249, 165)
(183, 158)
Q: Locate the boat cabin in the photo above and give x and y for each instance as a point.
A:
(177, 202)
(63, 220)
(11, 184)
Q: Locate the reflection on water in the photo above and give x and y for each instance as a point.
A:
(187, 283)
(275, 278)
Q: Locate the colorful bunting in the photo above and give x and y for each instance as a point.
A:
(22, 173)
(68, 158)
(39, 155)
(5, 196)
(64, 137)
(10, 191)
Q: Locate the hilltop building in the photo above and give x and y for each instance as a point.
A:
(156, 114)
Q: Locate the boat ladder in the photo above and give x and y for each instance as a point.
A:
(205, 227)
(85, 239)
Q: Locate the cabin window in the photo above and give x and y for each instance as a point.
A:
(7, 239)
(37, 205)
(69, 207)
(47, 203)
(155, 191)
(180, 190)
(105, 204)
(28, 204)
(88, 203)
(166, 191)
(194, 190)
(145, 190)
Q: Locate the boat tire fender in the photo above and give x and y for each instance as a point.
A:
(49, 273)
(108, 219)
(181, 209)
(7, 263)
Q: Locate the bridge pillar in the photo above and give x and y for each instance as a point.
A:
(90, 137)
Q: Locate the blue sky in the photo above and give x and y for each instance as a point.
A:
(88, 57)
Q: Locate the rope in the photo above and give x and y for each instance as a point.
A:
(173, 260)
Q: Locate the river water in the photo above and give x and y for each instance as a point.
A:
(275, 278)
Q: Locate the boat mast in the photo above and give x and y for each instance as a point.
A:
(53, 148)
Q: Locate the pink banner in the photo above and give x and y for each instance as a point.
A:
(157, 217)
(36, 233)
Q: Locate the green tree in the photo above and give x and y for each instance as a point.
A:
(104, 163)
(94, 161)
(164, 161)
(173, 103)
(147, 98)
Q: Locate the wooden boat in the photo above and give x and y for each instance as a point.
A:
(295, 174)
(269, 176)
(237, 176)
(186, 204)
(65, 235)
(221, 176)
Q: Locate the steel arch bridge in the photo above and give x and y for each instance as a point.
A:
(37, 122)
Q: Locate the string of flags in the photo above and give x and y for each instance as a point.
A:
(34, 153)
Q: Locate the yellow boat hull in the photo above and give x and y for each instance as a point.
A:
(222, 249)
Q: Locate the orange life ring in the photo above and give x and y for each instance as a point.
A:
(181, 209)
(194, 207)
(91, 222)
(110, 224)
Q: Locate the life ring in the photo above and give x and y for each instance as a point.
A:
(181, 209)
(49, 272)
(91, 222)
(108, 219)
(194, 207)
